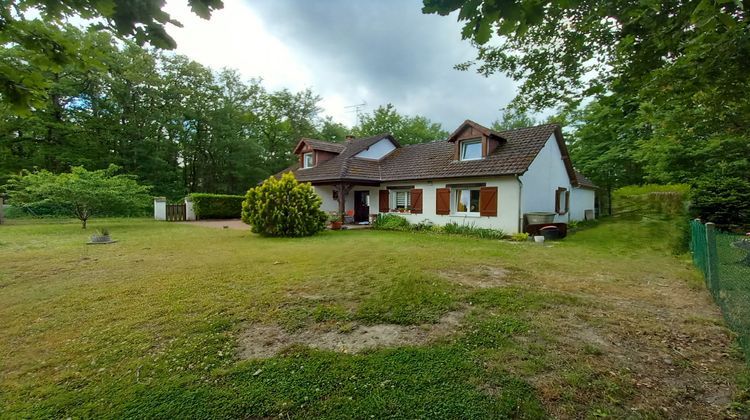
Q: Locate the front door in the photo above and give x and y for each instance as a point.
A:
(361, 206)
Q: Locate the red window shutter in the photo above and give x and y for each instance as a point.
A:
(383, 204)
(442, 200)
(416, 201)
(567, 201)
(557, 201)
(488, 201)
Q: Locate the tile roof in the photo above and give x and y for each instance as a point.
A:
(325, 146)
(584, 182)
(435, 160)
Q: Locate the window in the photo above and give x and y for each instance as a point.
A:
(467, 201)
(402, 199)
(471, 149)
(307, 160)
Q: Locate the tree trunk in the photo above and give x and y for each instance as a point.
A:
(83, 223)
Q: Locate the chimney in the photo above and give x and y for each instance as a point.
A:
(349, 138)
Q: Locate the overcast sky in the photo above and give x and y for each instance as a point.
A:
(348, 52)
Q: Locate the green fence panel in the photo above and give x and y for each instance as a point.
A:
(724, 259)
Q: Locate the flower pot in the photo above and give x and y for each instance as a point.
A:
(336, 225)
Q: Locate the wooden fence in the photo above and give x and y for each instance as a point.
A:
(176, 212)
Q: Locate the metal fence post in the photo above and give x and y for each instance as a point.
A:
(712, 261)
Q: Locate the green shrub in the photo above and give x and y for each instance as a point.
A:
(217, 206)
(284, 207)
(471, 230)
(519, 237)
(391, 222)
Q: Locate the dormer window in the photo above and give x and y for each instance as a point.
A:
(307, 160)
(471, 149)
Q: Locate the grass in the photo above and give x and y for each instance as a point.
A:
(601, 324)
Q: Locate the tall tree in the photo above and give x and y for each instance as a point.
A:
(513, 119)
(41, 36)
(406, 129)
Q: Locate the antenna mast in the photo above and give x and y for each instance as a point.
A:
(357, 109)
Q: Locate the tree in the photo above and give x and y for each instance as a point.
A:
(723, 200)
(406, 129)
(42, 38)
(80, 192)
(284, 207)
(513, 119)
(666, 87)
(332, 131)
(565, 51)
(176, 124)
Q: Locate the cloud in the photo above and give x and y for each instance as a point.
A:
(348, 52)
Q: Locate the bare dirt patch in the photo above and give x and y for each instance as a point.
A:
(261, 341)
(482, 276)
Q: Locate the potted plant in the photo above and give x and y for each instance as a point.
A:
(335, 219)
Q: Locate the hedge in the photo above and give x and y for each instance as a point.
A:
(217, 206)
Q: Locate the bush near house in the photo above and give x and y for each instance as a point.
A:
(396, 222)
(217, 206)
(284, 207)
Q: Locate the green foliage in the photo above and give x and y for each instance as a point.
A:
(390, 222)
(406, 129)
(471, 230)
(663, 200)
(176, 124)
(513, 119)
(283, 207)
(396, 222)
(81, 193)
(519, 237)
(723, 200)
(217, 206)
(40, 39)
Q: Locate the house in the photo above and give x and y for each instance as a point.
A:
(477, 176)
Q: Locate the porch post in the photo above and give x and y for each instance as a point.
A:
(343, 190)
(342, 201)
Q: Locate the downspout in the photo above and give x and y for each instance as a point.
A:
(520, 207)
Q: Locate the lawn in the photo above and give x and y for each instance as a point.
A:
(177, 320)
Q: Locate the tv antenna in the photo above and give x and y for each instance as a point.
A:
(357, 109)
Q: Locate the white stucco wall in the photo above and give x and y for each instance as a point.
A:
(545, 175)
(329, 204)
(581, 199)
(507, 205)
(377, 150)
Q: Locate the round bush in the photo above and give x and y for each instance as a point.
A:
(283, 207)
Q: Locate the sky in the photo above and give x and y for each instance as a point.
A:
(349, 53)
